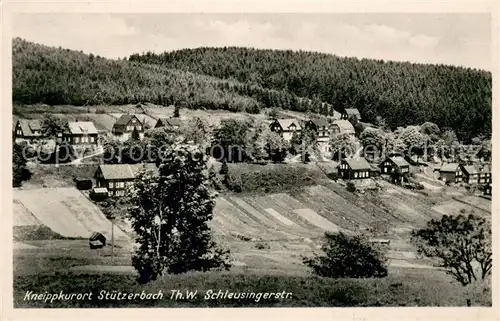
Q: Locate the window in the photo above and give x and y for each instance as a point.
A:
(19, 132)
(92, 139)
(139, 127)
(129, 128)
(77, 139)
(355, 174)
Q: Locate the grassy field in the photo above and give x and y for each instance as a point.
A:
(402, 288)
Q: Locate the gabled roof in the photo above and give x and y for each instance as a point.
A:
(286, 123)
(30, 125)
(320, 122)
(450, 167)
(148, 166)
(81, 127)
(344, 125)
(116, 171)
(357, 163)
(352, 111)
(173, 122)
(125, 119)
(399, 161)
(471, 169)
(486, 168)
(96, 236)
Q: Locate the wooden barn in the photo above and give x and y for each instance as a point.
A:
(115, 177)
(97, 240)
(354, 168)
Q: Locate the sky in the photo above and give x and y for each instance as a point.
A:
(452, 39)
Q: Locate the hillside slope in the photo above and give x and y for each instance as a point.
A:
(402, 93)
(42, 74)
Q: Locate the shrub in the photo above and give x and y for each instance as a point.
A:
(348, 257)
(262, 246)
(351, 187)
(233, 182)
(224, 169)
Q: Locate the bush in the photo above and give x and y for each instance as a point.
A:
(348, 257)
(351, 187)
(333, 176)
(233, 182)
(262, 246)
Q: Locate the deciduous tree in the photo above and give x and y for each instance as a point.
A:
(170, 215)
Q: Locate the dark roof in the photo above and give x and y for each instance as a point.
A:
(116, 171)
(450, 167)
(173, 122)
(399, 161)
(471, 169)
(124, 119)
(97, 236)
(357, 163)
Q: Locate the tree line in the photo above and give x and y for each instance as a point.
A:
(402, 93)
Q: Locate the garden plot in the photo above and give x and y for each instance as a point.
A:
(317, 219)
(66, 211)
(22, 216)
(335, 208)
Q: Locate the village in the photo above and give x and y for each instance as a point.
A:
(113, 179)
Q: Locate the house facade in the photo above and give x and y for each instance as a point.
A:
(487, 189)
(322, 129)
(125, 126)
(116, 178)
(485, 175)
(451, 172)
(81, 134)
(470, 174)
(354, 168)
(286, 127)
(27, 130)
(393, 164)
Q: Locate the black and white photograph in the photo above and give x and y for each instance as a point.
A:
(251, 160)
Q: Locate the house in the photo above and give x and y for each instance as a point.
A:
(118, 177)
(125, 126)
(285, 127)
(322, 129)
(351, 113)
(173, 123)
(487, 189)
(27, 130)
(97, 241)
(115, 177)
(342, 126)
(470, 174)
(485, 174)
(451, 172)
(354, 168)
(393, 164)
(80, 134)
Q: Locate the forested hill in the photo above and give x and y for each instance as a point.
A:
(43, 74)
(402, 93)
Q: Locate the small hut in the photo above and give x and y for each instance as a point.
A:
(97, 241)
